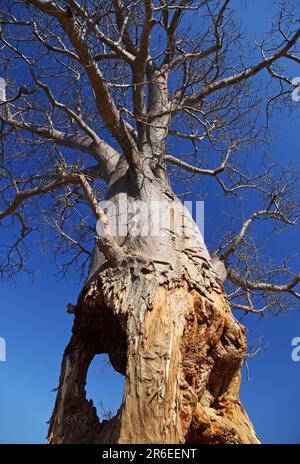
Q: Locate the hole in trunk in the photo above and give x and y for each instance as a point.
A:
(104, 386)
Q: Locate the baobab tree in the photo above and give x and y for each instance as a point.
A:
(107, 103)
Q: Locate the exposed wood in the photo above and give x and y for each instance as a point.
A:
(181, 349)
(184, 354)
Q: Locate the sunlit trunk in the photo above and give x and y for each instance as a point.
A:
(163, 318)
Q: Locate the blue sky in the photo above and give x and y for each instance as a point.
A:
(36, 326)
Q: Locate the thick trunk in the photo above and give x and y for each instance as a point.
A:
(164, 321)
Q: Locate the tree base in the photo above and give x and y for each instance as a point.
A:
(181, 352)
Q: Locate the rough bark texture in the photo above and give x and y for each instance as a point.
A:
(181, 353)
(162, 317)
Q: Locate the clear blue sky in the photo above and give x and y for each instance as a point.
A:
(36, 326)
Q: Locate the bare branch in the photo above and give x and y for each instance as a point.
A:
(246, 284)
(100, 151)
(104, 101)
(195, 98)
(24, 195)
(106, 242)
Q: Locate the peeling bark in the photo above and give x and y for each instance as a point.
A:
(162, 316)
(181, 353)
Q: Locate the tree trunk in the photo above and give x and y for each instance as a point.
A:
(163, 318)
